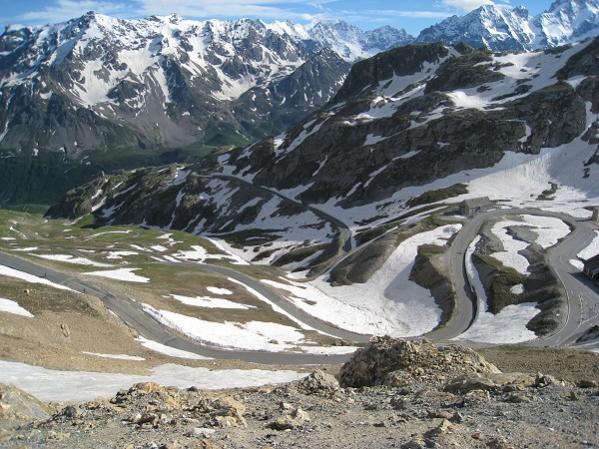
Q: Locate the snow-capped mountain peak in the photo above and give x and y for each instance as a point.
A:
(168, 80)
(503, 28)
(567, 20)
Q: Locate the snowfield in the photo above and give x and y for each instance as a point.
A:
(510, 256)
(118, 255)
(253, 335)
(549, 231)
(53, 385)
(168, 350)
(591, 250)
(66, 258)
(396, 306)
(219, 291)
(131, 358)
(210, 303)
(517, 180)
(199, 254)
(122, 274)
(506, 327)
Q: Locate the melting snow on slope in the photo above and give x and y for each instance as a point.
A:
(592, 249)
(210, 303)
(131, 358)
(219, 291)
(72, 260)
(10, 306)
(517, 180)
(53, 385)
(122, 274)
(118, 255)
(508, 326)
(389, 303)
(550, 230)
(253, 335)
(169, 350)
(200, 255)
(11, 272)
(510, 256)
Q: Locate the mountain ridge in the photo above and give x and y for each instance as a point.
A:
(162, 81)
(503, 28)
(454, 118)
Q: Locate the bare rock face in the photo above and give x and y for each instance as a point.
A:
(395, 362)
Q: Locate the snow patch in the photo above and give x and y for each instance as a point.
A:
(210, 303)
(168, 350)
(10, 306)
(53, 385)
(11, 272)
(132, 358)
(121, 274)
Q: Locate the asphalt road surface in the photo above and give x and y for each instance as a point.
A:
(345, 233)
(133, 314)
(581, 294)
(582, 297)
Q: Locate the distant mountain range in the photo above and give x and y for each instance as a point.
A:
(411, 128)
(97, 82)
(98, 93)
(501, 28)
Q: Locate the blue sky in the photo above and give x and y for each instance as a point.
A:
(413, 15)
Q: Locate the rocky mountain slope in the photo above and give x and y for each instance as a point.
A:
(364, 196)
(411, 395)
(96, 82)
(416, 119)
(502, 28)
(97, 93)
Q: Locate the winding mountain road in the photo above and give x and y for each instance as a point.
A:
(345, 233)
(581, 294)
(132, 313)
(582, 297)
(297, 313)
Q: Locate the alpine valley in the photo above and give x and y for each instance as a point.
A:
(358, 238)
(108, 93)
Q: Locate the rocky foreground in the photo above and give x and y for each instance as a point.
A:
(392, 394)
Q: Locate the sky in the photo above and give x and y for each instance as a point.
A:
(409, 14)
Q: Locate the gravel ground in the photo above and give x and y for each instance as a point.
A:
(425, 402)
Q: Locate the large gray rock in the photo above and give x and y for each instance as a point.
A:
(389, 361)
(18, 407)
(318, 383)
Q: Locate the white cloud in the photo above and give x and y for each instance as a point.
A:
(277, 9)
(61, 10)
(67, 9)
(466, 5)
(407, 13)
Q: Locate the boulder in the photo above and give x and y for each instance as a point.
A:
(318, 383)
(490, 382)
(296, 418)
(396, 362)
(18, 406)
